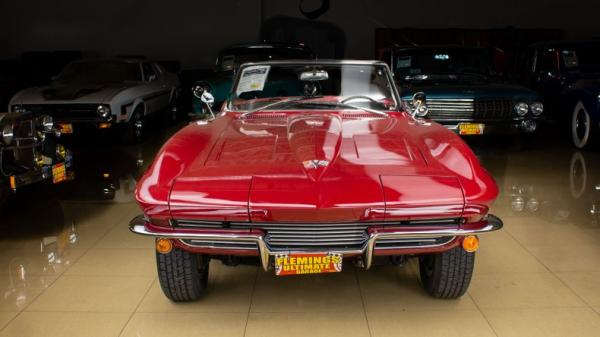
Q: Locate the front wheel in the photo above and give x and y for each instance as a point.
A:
(582, 130)
(447, 274)
(135, 128)
(183, 275)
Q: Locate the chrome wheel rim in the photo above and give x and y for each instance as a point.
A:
(580, 126)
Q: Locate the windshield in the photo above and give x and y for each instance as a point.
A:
(232, 59)
(585, 58)
(302, 86)
(431, 64)
(100, 72)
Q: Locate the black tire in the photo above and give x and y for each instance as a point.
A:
(183, 275)
(447, 274)
(582, 128)
(133, 133)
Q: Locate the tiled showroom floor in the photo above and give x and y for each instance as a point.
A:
(70, 267)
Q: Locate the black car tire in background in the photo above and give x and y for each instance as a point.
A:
(183, 275)
(582, 129)
(135, 128)
(447, 274)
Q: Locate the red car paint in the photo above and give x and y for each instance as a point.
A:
(257, 168)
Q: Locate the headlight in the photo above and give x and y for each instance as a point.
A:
(537, 108)
(7, 134)
(103, 111)
(521, 109)
(47, 123)
(598, 98)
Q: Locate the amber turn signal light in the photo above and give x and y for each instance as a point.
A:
(164, 246)
(470, 243)
(104, 125)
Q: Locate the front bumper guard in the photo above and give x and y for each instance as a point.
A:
(490, 224)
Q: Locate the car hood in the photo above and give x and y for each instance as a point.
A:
(315, 166)
(69, 93)
(462, 90)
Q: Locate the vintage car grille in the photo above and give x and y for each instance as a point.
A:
(66, 112)
(469, 109)
(315, 236)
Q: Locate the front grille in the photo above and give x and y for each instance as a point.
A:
(469, 109)
(493, 109)
(65, 112)
(412, 243)
(315, 236)
(451, 109)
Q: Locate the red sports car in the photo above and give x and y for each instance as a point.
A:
(309, 164)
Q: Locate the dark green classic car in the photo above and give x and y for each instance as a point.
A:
(230, 58)
(463, 89)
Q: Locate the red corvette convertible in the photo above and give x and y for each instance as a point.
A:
(309, 164)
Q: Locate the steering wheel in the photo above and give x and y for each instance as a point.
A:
(354, 98)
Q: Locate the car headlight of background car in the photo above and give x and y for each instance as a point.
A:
(103, 111)
(7, 134)
(537, 108)
(521, 109)
(47, 123)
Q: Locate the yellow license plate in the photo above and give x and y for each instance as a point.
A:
(59, 173)
(470, 128)
(65, 127)
(307, 263)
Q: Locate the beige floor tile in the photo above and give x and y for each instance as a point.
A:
(584, 284)
(115, 262)
(392, 288)
(315, 293)
(536, 232)
(229, 290)
(459, 323)
(500, 253)
(597, 310)
(521, 290)
(569, 257)
(97, 294)
(18, 291)
(71, 324)
(186, 324)
(557, 322)
(5, 317)
(307, 324)
(121, 237)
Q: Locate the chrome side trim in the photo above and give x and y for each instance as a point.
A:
(492, 223)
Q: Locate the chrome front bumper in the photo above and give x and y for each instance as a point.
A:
(492, 223)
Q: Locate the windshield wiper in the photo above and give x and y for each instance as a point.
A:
(348, 106)
(278, 103)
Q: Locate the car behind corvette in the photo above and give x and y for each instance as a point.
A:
(309, 164)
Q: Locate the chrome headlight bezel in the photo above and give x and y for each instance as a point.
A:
(8, 134)
(537, 108)
(103, 111)
(521, 108)
(47, 123)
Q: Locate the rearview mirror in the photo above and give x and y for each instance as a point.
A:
(419, 105)
(314, 75)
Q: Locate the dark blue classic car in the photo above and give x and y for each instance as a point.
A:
(463, 89)
(220, 82)
(567, 74)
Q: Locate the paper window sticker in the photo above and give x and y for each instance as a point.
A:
(253, 78)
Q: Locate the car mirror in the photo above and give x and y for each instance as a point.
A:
(419, 105)
(202, 92)
(314, 75)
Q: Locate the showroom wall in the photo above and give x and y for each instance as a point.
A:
(193, 31)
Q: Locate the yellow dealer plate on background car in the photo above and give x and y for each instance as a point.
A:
(470, 128)
(59, 173)
(307, 263)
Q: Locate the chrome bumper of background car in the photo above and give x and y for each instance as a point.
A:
(492, 223)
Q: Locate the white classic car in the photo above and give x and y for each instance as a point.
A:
(104, 94)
